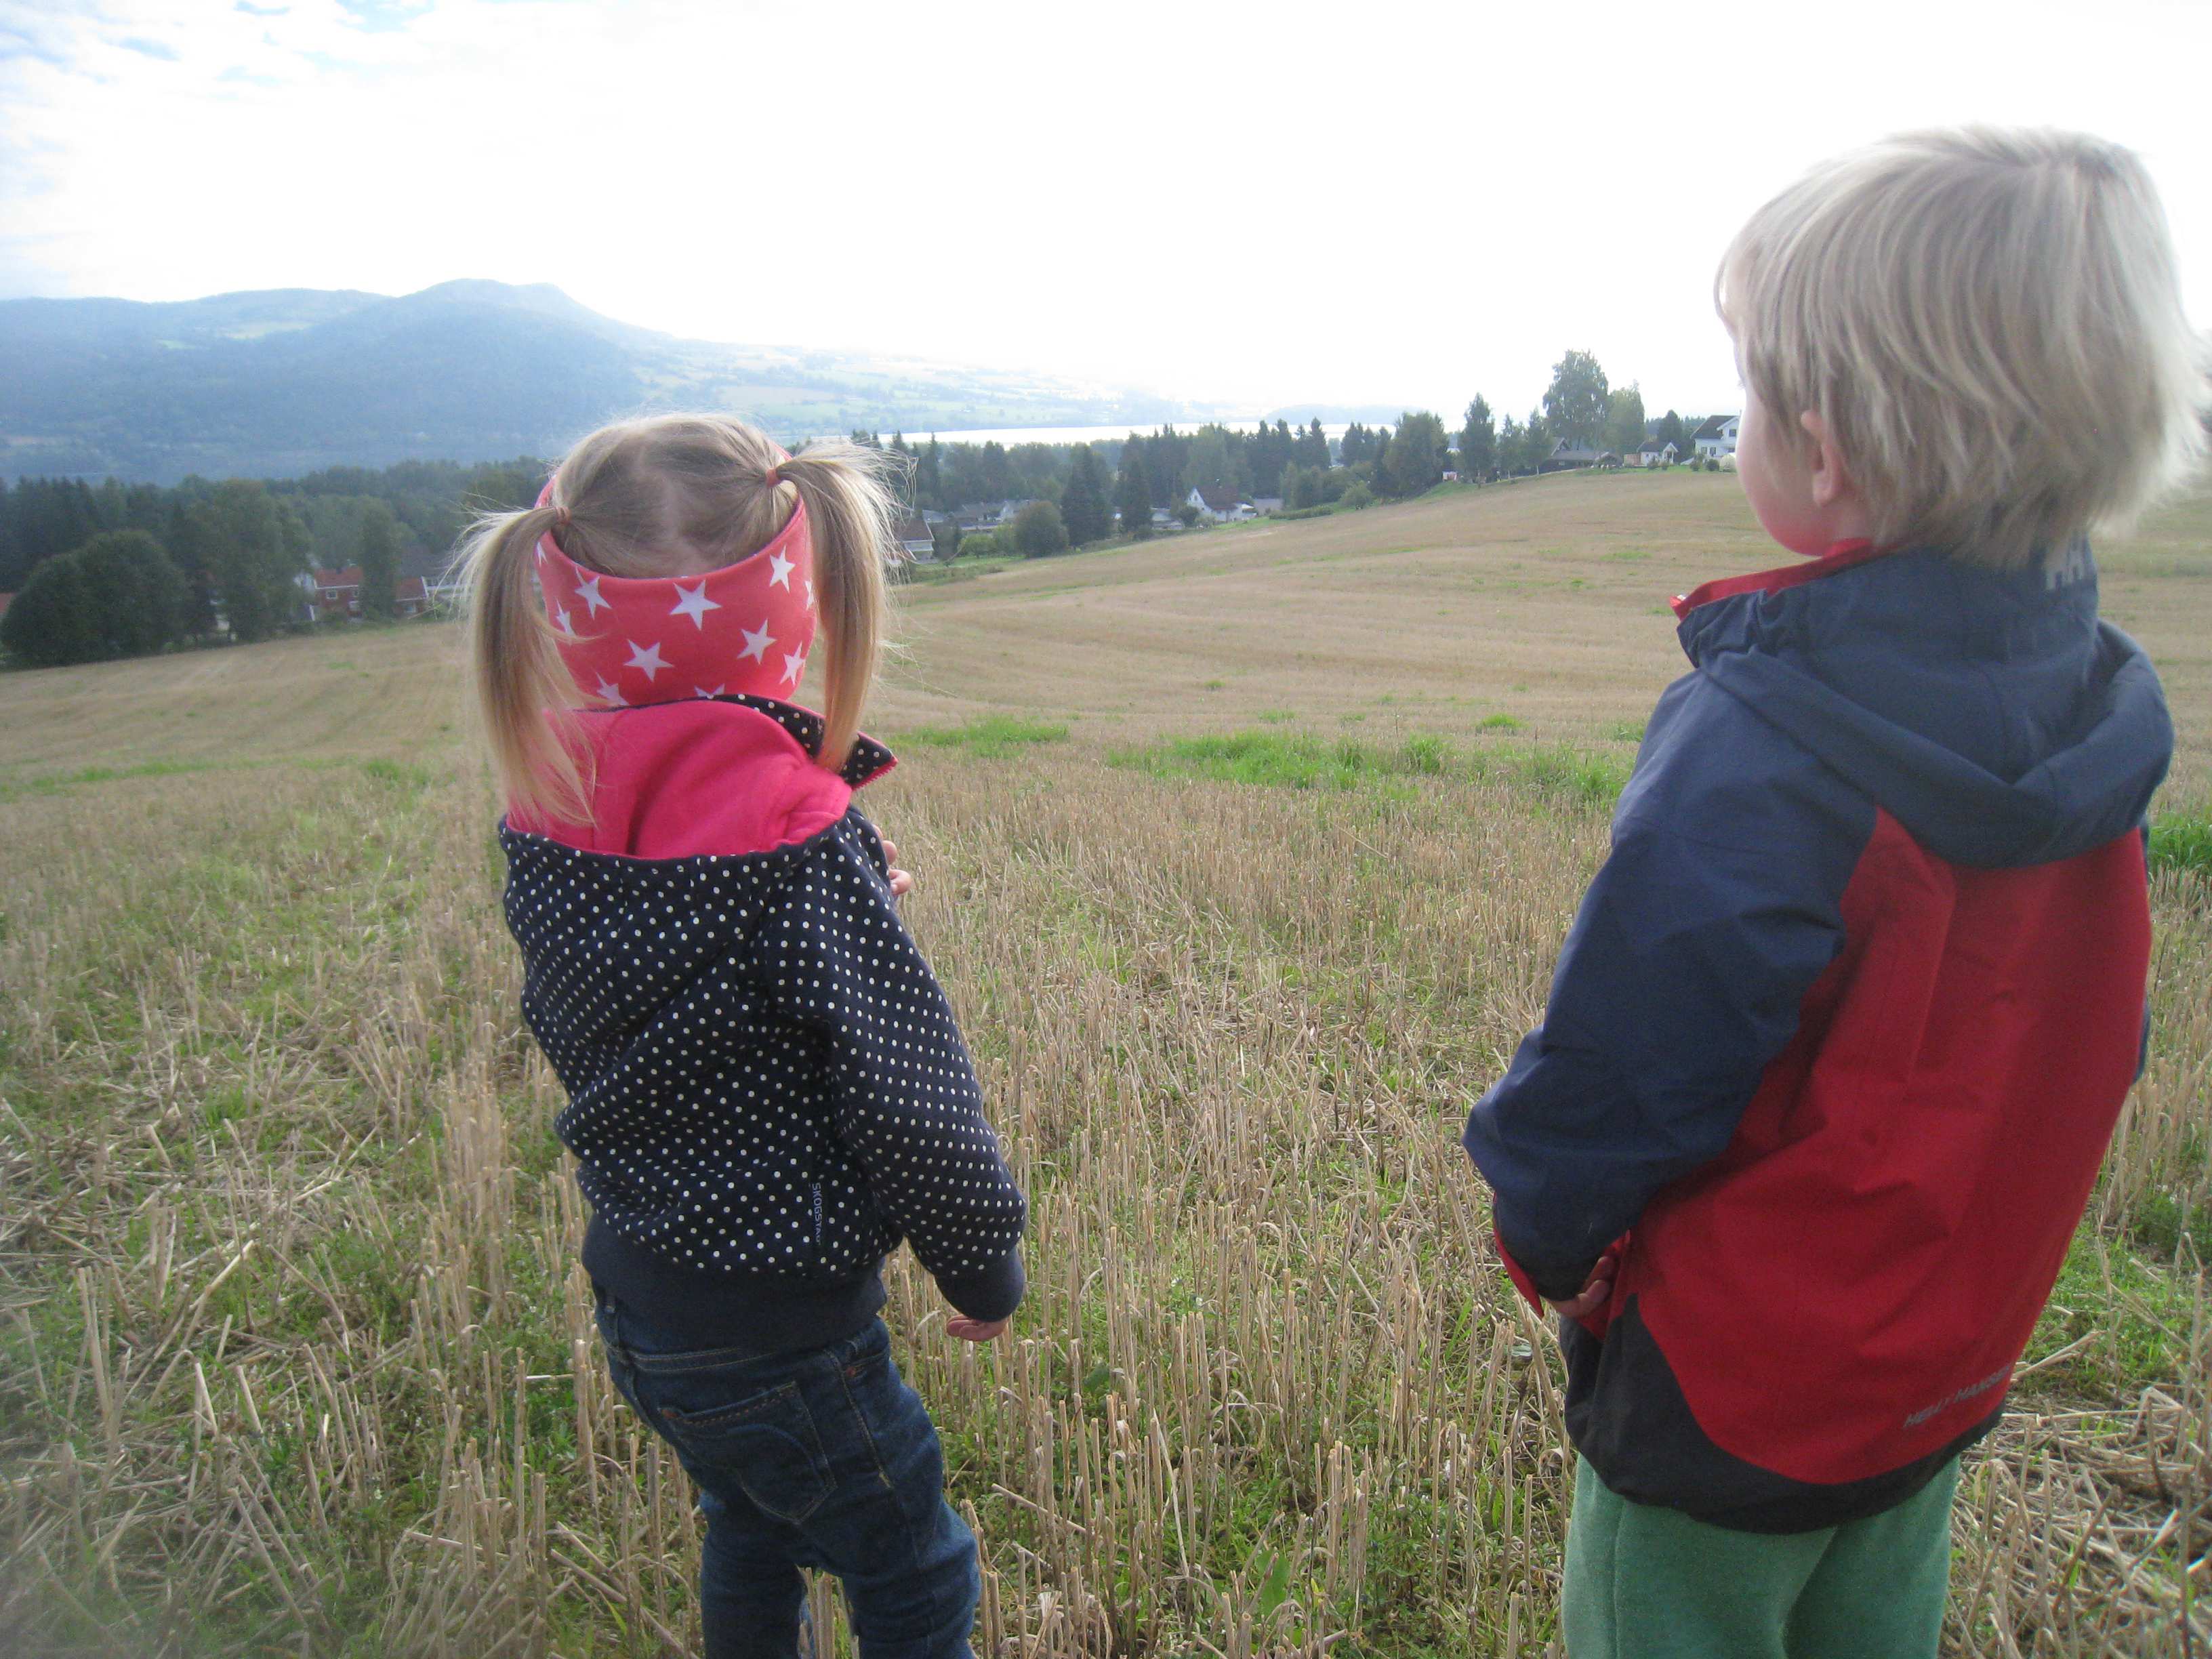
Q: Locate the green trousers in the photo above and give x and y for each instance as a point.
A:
(1643, 1583)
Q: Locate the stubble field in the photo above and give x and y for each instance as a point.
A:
(1243, 857)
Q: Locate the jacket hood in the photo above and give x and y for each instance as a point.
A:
(1991, 713)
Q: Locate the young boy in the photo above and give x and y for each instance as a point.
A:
(1842, 1030)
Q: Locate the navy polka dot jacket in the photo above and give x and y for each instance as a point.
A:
(767, 1088)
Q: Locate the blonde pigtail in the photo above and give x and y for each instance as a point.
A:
(517, 672)
(852, 504)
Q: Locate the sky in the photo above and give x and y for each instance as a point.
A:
(1246, 205)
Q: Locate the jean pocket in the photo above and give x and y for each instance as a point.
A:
(766, 1443)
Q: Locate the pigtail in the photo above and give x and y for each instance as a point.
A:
(517, 672)
(853, 507)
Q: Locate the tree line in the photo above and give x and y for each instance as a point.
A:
(114, 570)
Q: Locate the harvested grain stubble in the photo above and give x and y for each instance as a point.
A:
(294, 1355)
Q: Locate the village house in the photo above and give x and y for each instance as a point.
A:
(421, 582)
(1716, 436)
(1654, 453)
(1567, 454)
(1218, 504)
(440, 577)
(916, 540)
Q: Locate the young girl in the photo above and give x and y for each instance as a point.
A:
(766, 1088)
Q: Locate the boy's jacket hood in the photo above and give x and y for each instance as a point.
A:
(1991, 714)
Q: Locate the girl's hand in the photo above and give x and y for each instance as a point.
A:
(1595, 1293)
(902, 883)
(972, 1330)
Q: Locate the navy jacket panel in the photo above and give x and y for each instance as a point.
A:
(1680, 982)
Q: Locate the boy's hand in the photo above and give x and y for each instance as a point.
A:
(1595, 1293)
(972, 1330)
(902, 884)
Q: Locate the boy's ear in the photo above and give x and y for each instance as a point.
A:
(1832, 480)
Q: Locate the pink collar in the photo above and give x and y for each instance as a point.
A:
(744, 629)
(1842, 557)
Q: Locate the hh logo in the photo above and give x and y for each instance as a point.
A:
(1966, 1393)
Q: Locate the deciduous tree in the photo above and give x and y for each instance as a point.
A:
(1578, 402)
(1414, 463)
(1625, 420)
(1478, 442)
(1039, 531)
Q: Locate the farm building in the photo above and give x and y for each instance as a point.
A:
(1716, 436)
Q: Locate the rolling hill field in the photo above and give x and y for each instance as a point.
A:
(1244, 856)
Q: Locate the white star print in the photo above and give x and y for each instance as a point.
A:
(794, 665)
(610, 692)
(810, 593)
(560, 616)
(589, 593)
(757, 642)
(779, 572)
(646, 657)
(704, 692)
(694, 603)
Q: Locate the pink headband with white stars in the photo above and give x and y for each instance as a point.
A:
(743, 630)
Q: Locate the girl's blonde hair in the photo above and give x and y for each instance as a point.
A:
(1989, 325)
(671, 495)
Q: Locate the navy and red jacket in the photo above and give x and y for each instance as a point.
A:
(1841, 1031)
(767, 1090)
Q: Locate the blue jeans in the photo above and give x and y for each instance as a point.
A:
(823, 1458)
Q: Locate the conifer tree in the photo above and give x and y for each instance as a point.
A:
(1478, 442)
(1134, 491)
(1083, 504)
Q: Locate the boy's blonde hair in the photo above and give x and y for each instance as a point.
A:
(670, 496)
(1989, 325)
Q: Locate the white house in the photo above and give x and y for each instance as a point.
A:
(1717, 437)
(1654, 453)
(1219, 505)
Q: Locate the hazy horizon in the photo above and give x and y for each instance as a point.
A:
(1280, 207)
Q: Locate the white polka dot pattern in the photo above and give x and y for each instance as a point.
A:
(764, 1075)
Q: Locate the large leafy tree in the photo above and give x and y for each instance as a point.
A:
(1039, 530)
(117, 596)
(254, 545)
(1133, 492)
(1414, 461)
(1478, 442)
(1083, 503)
(1624, 430)
(142, 598)
(1672, 431)
(1579, 401)
(55, 619)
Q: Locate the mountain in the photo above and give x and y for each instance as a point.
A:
(277, 383)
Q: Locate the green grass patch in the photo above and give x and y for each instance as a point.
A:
(2182, 841)
(1498, 723)
(992, 736)
(1299, 759)
(2131, 1317)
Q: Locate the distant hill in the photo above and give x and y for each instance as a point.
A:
(277, 383)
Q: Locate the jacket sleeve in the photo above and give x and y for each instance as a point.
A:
(1681, 980)
(836, 961)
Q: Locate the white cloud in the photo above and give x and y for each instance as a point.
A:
(1266, 204)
